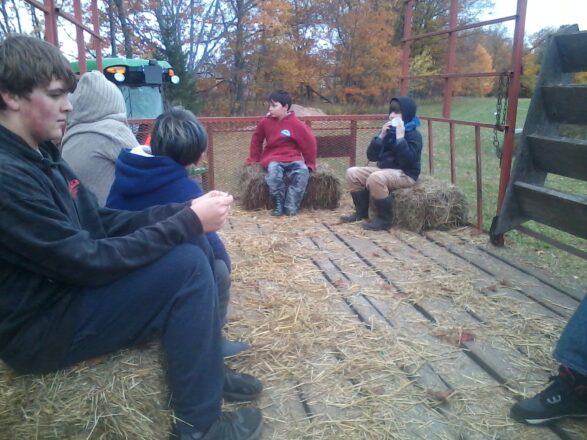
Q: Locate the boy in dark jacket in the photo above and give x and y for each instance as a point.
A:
(289, 153)
(396, 150)
(157, 175)
(79, 281)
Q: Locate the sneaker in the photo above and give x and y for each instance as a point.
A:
(564, 397)
(240, 387)
(244, 424)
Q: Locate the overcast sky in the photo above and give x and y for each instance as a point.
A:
(541, 13)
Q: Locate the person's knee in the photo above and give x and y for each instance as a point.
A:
(350, 174)
(222, 274)
(188, 261)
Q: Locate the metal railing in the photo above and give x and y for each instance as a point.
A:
(229, 139)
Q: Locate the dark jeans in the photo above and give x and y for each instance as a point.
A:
(175, 300)
(223, 282)
(297, 174)
(571, 349)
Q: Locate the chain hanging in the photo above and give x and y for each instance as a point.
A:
(501, 109)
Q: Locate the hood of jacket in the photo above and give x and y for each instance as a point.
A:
(407, 106)
(95, 99)
(138, 174)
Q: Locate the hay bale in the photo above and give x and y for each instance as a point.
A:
(323, 191)
(120, 396)
(429, 204)
(254, 193)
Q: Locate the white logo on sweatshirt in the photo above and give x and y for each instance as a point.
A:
(285, 133)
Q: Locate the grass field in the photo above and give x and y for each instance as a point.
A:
(567, 266)
(231, 148)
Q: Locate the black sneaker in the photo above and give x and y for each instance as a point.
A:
(240, 387)
(244, 424)
(564, 397)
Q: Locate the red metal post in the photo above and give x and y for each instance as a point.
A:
(453, 159)
(513, 93)
(51, 22)
(79, 37)
(96, 41)
(451, 59)
(210, 156)
(430, 148)
(353, 152)
(478, 172)
(406, 46)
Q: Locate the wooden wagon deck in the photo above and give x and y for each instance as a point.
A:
(376, 335)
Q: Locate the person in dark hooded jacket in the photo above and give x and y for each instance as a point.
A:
(79, 281)
(157, 175)
(396, 150)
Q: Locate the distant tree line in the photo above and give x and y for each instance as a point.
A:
(230, 53)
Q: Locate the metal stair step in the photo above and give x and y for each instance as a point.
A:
(565, 103)
(572, 49)
(562, 156)
(557, 209)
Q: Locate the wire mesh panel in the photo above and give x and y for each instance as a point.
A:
(342, 141)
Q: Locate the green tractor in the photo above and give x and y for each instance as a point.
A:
(142, 83)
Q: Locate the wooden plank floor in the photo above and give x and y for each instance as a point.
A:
(385, 335)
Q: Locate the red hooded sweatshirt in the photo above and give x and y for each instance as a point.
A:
(287, 140)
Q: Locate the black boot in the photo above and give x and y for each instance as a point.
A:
(361, 201)
(384, 215)
(277, 206)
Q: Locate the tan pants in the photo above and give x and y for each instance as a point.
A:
(378, 181)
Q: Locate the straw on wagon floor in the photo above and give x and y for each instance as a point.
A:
(356, 377)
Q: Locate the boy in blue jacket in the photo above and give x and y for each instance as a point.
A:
(396, 150)
(78, 281)
(157, 175)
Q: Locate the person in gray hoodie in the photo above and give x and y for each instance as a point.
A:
(97, 130)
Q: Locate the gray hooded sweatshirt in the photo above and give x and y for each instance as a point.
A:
(97, 130)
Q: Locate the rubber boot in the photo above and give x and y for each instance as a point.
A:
(384, 215)
(277, 206)
(361, 201)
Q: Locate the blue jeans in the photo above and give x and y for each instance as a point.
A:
(297, 175)
(173, 299)
(223, 282)
(571, 349)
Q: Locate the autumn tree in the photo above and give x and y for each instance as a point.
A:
(364, 63)
(475, 61)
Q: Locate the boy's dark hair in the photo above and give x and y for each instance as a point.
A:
(27, 63)
(178, 134)
(394, 106)
(280, 96)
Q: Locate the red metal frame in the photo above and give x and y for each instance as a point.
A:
(247, 124)
(513, 92)
(52, 12)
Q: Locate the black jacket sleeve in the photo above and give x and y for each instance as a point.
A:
(407, 151)
(374, 149)
(120, 222)
(39, 234)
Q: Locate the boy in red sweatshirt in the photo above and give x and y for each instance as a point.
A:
(289, 154)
